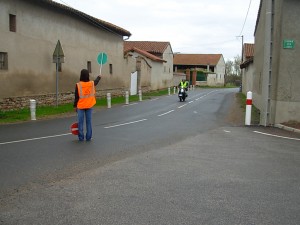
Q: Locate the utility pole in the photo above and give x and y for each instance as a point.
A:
(242, 36)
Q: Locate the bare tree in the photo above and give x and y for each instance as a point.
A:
(229, 67)
(233, 71)
(236, 65)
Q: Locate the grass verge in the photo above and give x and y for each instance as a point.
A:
(255, 113)
(22, 115)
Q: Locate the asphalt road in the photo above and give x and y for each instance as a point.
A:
(154, 162)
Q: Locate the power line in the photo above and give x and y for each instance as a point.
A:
(245, 18)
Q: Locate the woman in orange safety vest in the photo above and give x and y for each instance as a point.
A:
(84, 101)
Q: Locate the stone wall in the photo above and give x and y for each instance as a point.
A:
(14, 103)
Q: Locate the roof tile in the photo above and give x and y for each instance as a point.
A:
(248, 50)
(148, 46)
(87, 18)
(196, 59)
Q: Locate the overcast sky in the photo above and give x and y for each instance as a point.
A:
(191, 26)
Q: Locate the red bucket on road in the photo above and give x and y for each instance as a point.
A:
(74, 128)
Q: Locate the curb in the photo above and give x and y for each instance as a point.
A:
(287, 128)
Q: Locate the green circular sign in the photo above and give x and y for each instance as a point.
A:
(102, 58)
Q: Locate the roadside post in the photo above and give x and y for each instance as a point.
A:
(169, 91)
(126, 97)
(140, 95)
(174, 90)
(32, 109)
(248, 108)
(108, 96)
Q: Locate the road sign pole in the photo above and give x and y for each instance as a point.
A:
(57, 80)
(101, 59)
(58, 57)
(101, 62)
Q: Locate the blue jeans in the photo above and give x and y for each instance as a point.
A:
(87, 113)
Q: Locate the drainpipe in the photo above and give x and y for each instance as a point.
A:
(267, 66)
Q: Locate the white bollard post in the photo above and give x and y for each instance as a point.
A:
(174, 90)
(32, 109)
(140, 95)
(248, 108)
(126, 97)
(169, 91)
(108, 96)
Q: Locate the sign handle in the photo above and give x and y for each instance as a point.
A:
(101, 63)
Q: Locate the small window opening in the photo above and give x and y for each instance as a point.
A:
(89, 66)
(12, 23)
(3, 61)
(110, 69)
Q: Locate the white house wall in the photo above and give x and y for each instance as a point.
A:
(220, 72)
(30, 49)
(167, 76)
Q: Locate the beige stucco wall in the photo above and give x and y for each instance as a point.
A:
(135, 62)
(155, 75)
(30, 49)
(247, 80)
(285, 79)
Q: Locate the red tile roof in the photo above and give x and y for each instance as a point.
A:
(148, 46)
(196, 59)
(248, 50)
(82, 16)
(146, 54)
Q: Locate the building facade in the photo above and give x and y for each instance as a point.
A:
(153, 61)
(30, 31)
(203, 69)
(276, 80)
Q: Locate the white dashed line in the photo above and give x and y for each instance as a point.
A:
(33, 139)
(166, 113)
(123, 124)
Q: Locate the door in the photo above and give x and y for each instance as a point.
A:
(133, 83)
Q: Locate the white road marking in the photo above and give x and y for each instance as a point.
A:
(166, 113)
(129, 104)
(123, 124)
(33, 139)
(182, 106)
(273, 135)
(227, 131)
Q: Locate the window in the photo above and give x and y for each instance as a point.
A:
(110, 69)
(12, 23)
(3, 61)
(89, 66)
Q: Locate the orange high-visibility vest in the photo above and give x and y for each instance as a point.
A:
(86, 92)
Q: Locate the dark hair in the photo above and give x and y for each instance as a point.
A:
(84, 75)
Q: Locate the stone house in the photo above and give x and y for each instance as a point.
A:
(201, 69)
(151, 62)
(30, 30)
(276, 80)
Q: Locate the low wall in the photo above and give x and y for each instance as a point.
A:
(14, 103)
